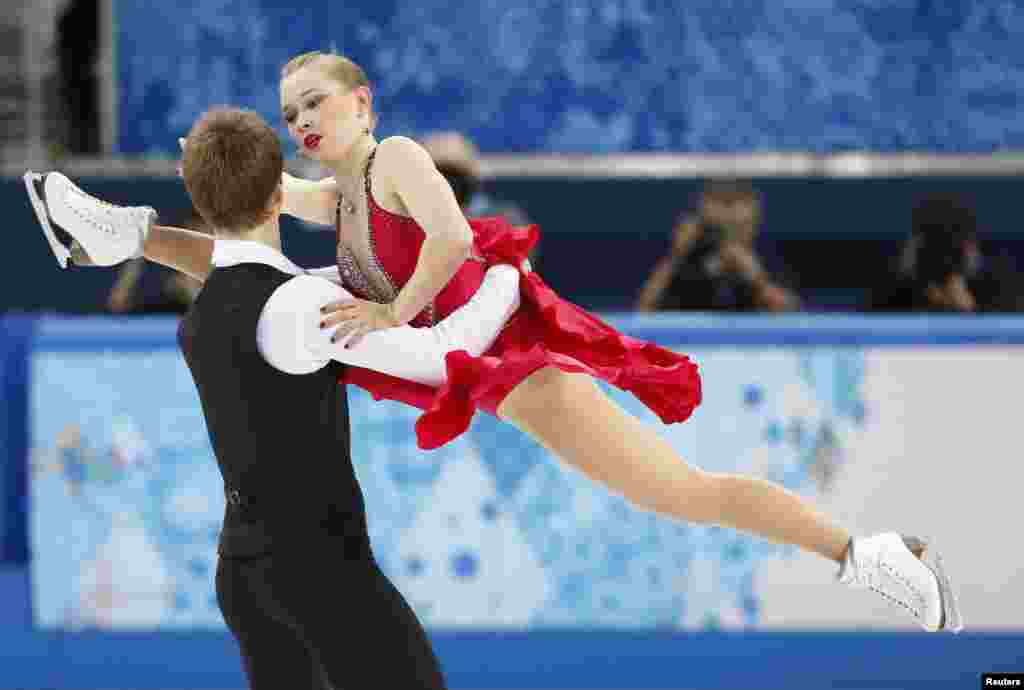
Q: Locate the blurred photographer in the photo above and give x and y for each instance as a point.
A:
(143, 287)
(942, 268)
(713, 264)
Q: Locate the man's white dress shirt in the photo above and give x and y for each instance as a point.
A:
(290, 338)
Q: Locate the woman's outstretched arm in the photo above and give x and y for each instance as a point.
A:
(309, 200)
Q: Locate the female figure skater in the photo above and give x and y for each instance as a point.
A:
(405, 248)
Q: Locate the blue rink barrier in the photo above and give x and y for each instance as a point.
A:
(547, 660)
(38, 649)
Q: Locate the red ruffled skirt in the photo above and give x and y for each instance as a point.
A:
(545, 331)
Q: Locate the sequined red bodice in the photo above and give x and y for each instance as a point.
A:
(394, 244)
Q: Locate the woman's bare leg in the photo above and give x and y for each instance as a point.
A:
(573, 418)
(186, 251)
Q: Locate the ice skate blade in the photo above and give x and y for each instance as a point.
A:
(35, 195)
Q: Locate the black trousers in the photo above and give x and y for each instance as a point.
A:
(312, 621)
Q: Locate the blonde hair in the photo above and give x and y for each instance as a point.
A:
(337, 67)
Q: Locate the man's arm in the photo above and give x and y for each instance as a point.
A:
(291, 340)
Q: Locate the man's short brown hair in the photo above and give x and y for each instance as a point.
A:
(232, 166)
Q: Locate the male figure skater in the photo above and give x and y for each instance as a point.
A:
(296, 581)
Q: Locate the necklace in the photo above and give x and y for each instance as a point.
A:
(343, 201)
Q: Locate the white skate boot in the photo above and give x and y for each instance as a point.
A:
(885, 563)
(108, 234)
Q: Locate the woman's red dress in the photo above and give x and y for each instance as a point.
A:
(546, 331)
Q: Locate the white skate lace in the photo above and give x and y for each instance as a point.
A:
(107, 224)
(869, 573)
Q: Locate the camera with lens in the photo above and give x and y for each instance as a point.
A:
(940, 255)
(708, 242)
(943, 226)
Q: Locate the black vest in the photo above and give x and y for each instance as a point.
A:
(281, 440)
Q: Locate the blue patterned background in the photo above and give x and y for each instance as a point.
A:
(602, 75)
(489, 531)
